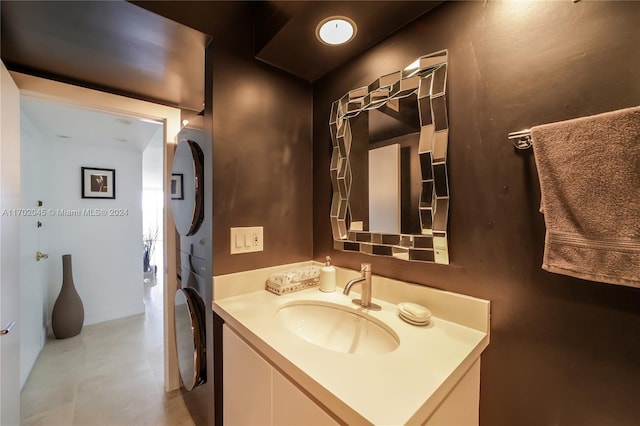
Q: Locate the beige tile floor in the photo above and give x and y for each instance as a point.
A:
(110, 374)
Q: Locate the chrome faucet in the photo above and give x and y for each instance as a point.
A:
(365, 280)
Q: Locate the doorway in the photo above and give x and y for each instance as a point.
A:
(72, 96)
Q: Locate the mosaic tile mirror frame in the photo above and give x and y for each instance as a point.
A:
(421, 85)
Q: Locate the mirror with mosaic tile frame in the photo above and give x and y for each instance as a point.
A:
(388, 166)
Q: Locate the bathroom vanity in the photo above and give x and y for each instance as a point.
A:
(375, 368)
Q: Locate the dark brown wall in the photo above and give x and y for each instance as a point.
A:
(563, 351)
(262, 162)
(262, 146)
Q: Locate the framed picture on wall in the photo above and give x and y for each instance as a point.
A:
(177, 186)
(98, 183)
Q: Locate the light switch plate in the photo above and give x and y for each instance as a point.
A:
(246, 239)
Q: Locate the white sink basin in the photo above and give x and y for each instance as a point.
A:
(338, 328)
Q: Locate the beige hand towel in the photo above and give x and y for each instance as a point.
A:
(589, 171)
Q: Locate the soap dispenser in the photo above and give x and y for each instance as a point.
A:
(328, 277)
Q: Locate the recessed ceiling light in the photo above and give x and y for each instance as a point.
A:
(336, 30)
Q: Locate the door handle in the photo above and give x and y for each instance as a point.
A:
(40, 256)
(8, 329)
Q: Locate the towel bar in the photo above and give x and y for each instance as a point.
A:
(521, 139)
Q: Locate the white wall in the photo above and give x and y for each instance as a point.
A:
(152, 166)
(107, 250)
(34, 155)
(153, 196)
(384, 189)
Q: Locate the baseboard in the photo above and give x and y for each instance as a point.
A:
(96, 317)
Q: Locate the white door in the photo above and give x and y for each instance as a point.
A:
(9, 249)
(34, 180)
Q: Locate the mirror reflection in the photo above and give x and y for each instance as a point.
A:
(189, 337)
(187, 192)
(388, 168)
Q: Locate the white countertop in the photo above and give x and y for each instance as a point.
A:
(399, 387)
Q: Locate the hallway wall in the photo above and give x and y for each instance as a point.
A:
(106, 250)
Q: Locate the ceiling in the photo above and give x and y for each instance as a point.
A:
(123, 48)
(113, 46)
(69, 124)
(282, 32)
(285, 31)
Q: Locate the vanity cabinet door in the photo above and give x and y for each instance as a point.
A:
(246, 383)
(255, 393)
(292, 407)
(462, 406)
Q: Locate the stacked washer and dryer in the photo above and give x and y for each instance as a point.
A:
(191, 206)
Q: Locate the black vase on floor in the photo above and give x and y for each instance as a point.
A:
(67, 317)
